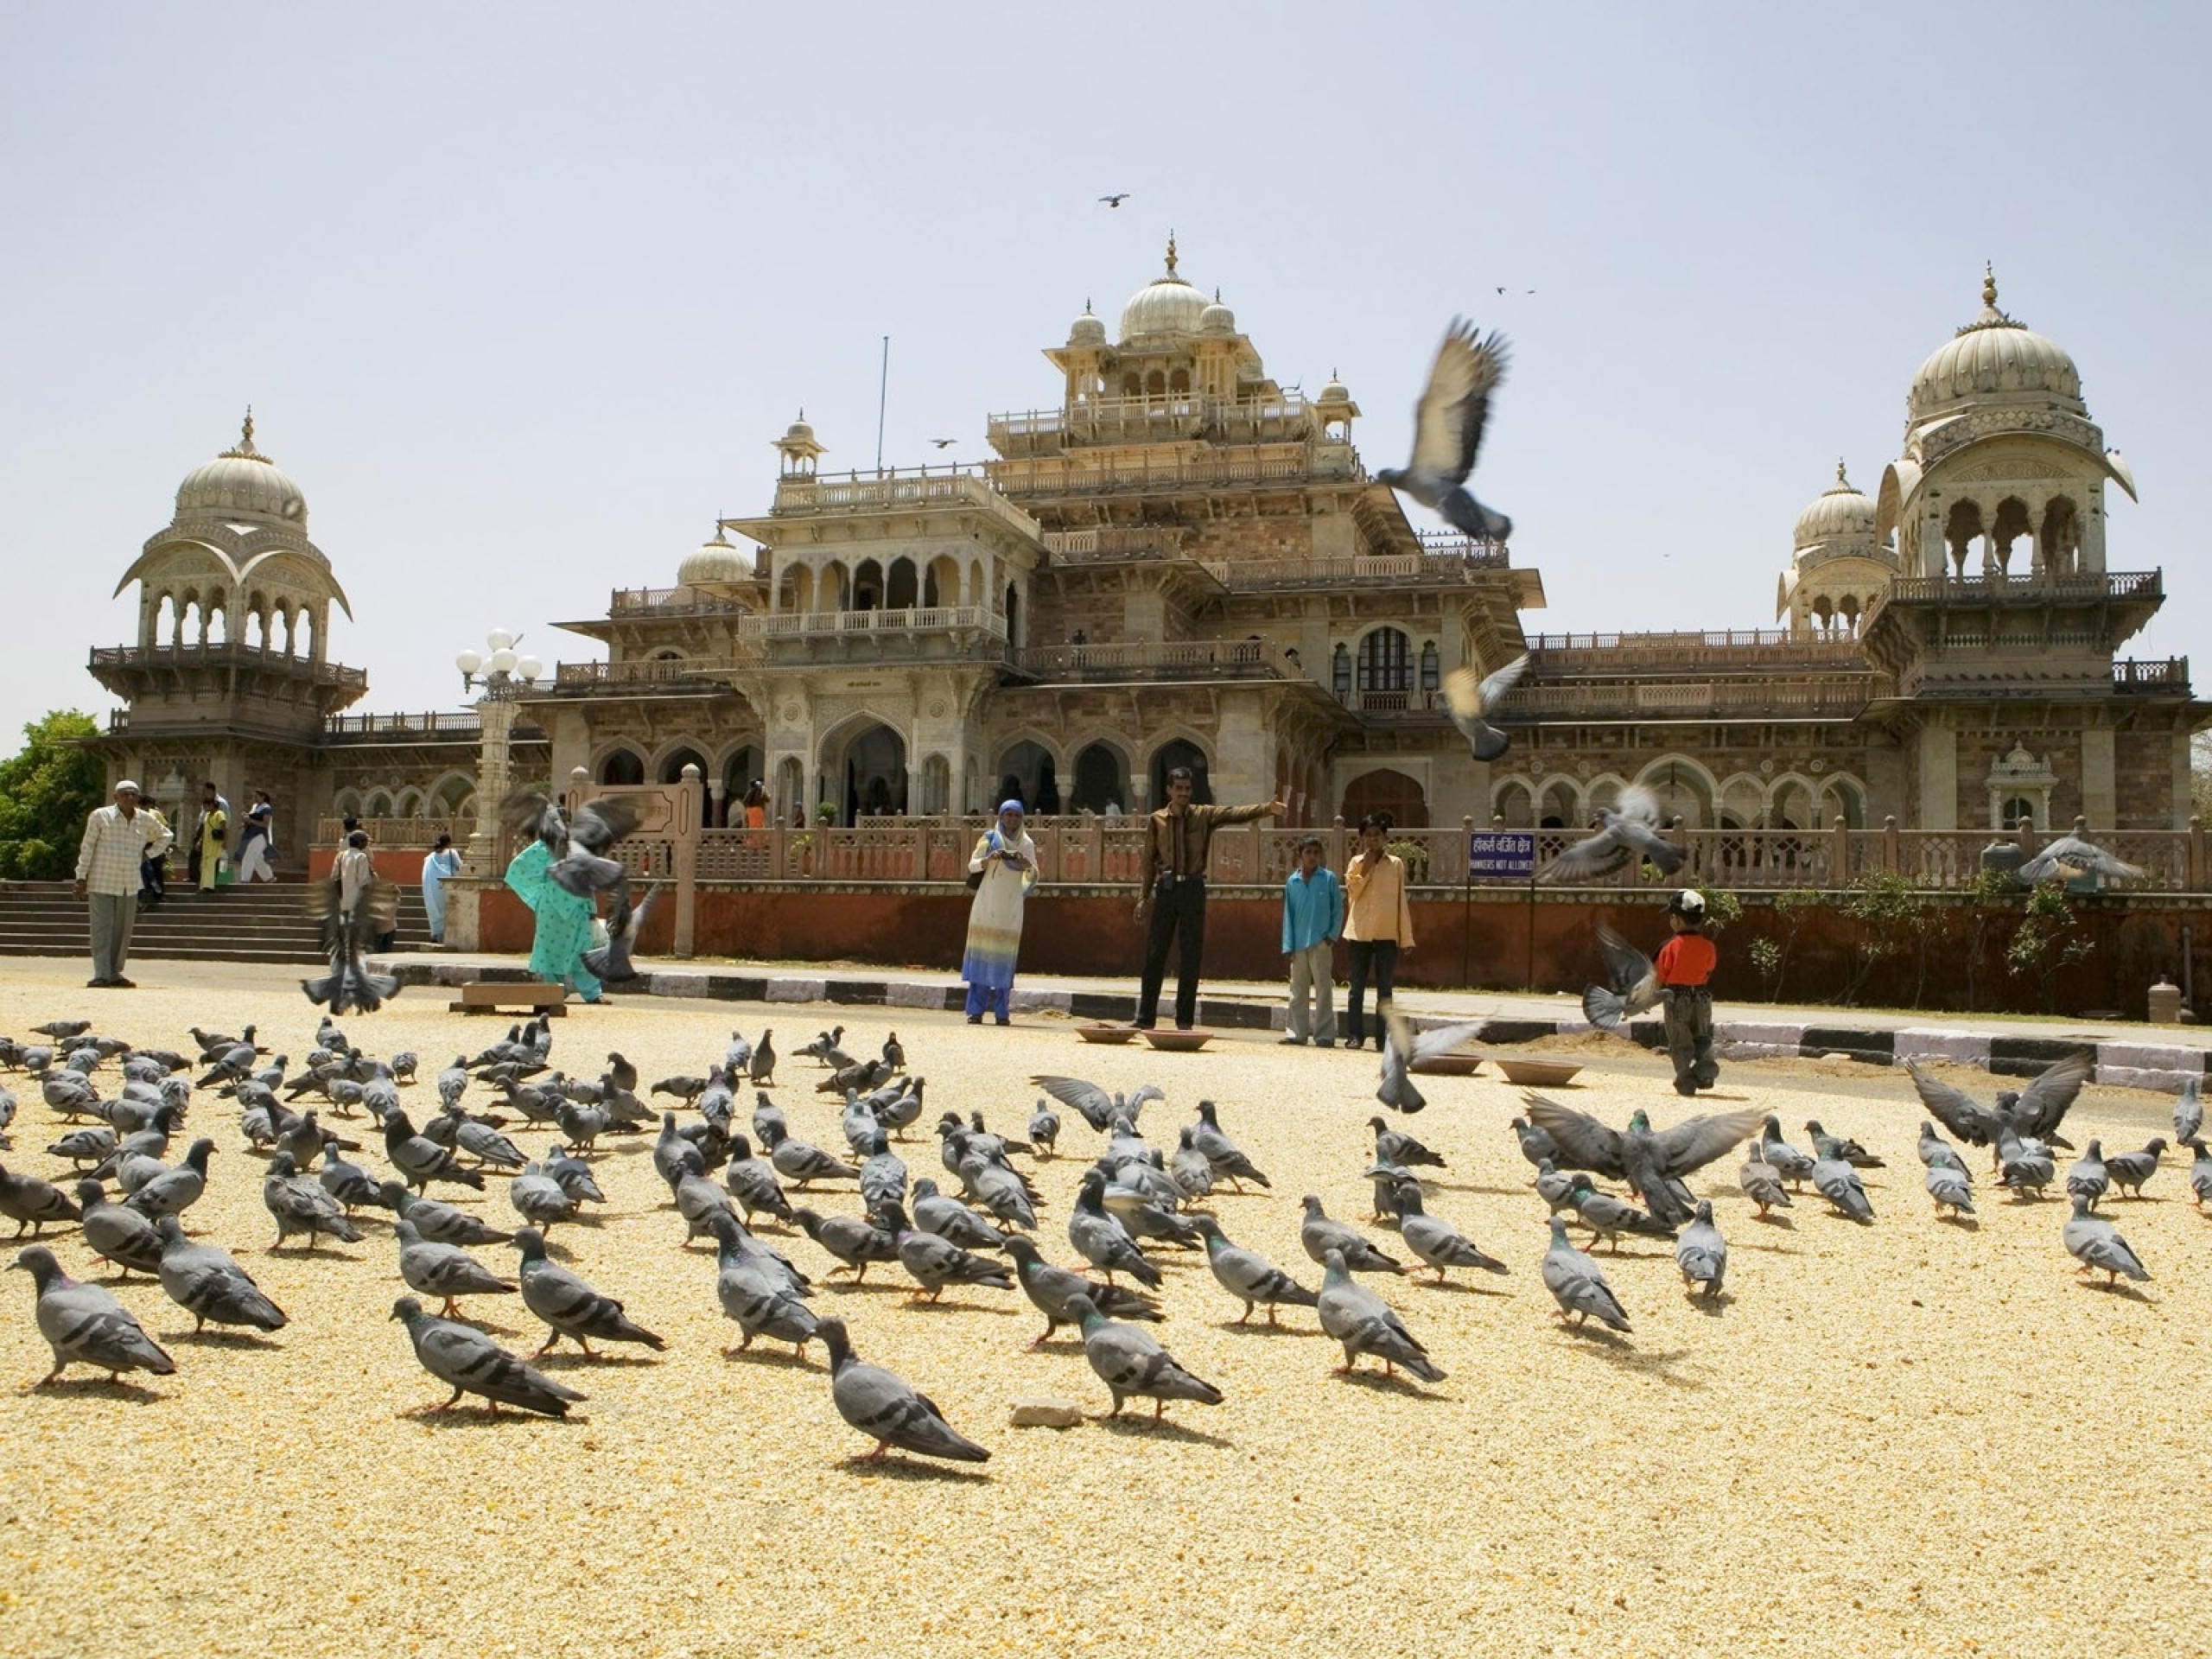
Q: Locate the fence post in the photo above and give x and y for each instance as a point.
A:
(1337, 855)
(1840, 853)
(1890, 860)
(690, 796)
(2195, 853)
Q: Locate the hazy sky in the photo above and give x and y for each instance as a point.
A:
(521, 293)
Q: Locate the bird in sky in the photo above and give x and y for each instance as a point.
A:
(1448, 432)
(1115, 200)
(945, 443)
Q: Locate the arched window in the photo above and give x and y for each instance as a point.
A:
(2020, 809)
(1430, 665)
(623, 766)
(1340, 671)
(1386, 791)
(1386, 662)
(1098, 779)
(1180, 752)
(671, 768)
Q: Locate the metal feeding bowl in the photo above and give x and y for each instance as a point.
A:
(1539, 1074)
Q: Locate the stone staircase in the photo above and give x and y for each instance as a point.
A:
(262, 923)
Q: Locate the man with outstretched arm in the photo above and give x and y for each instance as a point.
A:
(1177, 840)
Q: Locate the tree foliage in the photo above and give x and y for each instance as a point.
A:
(46, 790)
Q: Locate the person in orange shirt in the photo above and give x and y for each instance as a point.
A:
(1685, 964)
(1378, 923)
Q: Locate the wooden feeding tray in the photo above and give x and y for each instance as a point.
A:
(519, 996)
(1106, 1033)
(1449, 1065)
(1179, 1042)
(1539, 1074)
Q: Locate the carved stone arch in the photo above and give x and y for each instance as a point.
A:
(1604, 790)
(1842, 795)
(1560, 797)
(1386, 789)
(1383, 660)
(1792, 802)
(619, 763)
(1513, 802)
(1686, 788)
(669, 759)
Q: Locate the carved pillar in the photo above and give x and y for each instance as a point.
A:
(494, 779)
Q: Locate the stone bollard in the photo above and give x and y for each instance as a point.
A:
(2166, 1003)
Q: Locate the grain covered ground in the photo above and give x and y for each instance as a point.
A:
(1916, 1437)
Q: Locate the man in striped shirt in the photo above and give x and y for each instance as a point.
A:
(116, 839)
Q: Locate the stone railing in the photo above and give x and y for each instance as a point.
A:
(398, 834)
(2172, 675)
(678, 601)
(1058, 475)
(1453, 566)
(221, 654)
(2033, 585)
(583, 679)
(1185, 659)
(1102, 546)
(1400, 703)
(1581, 655)
(898, 489)
(435, 724)
(1787, 699)
(929, 619)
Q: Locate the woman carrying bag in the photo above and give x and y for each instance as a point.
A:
(1001, 870)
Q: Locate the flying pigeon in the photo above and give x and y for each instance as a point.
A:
(1403, 1051)
(1627, 831)
(611, 961)
(1635, 986)
(1448, 432)
(1116, 199)
(1131, 1363)
(2069, 858)
(887, 1408)
(84, 1325)
(1364, 1323)
(347, 938)
(578, 844)
(2034, 1112)
(1652, 1162)
(471, 1363)
(1471, 698)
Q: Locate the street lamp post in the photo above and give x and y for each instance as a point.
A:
(498, 675)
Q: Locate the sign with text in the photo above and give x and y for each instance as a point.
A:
(1503, 854)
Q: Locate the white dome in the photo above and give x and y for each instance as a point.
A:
(1994, 359)
(1841, 515)
(716, 561)
(1087, 329)
(1216, 318)
(1166, 305)
(242, 480)
(1335, 392)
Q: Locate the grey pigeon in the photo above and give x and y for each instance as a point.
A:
(2129, 1170)
(299, 1204)
(84, 1325)
(698, 1200)
(174, 1191)
(1436, 1241)
(2089, 1180)
(798, 1162)
(468, 1361)
(1935, 1152)
(1949, 1190)
(1051, 1290)
(752, 1181)
(948, 1218)
(573, 1175)
(2034, 1112)
(1628, 832)
(540, 1200)
(1448, 421)
(2022, 1168)
(207, 1282)
(611, 961)
(1103, 1241)
(1096, 1106)
(887, 1408)
(1840, 1146)
(761, 1068)
(2069, 858)
(1044, 1129)
(30, 1202)
(1395, 1146)
(883, 1177)
(1608, 1217)
(443, 1270)
(1403, 1050)
(999, 1190)
(422, 1161)
(934, 1262)
(1839, 1183)
(568, 1305)
(857, 1242)
(1794, 1166)
(1470, 697)
(1537, 1147)
(1364, 1323)
(2188, 1111)
(1652, 1162)
(1249, 1276)
(1762, 1184)
(1132, 1364)
(1577, 1285)
(1701, 1252)
(348, 1182)
(437, 1221)
(1556, 1186)
(2200, 1172)
(86, 1146)
(117, 1232)
(672, 1153)
(1320, 1233)
(1634, 987)
(482, 1142)
(761, 1300)
(2097, 1245)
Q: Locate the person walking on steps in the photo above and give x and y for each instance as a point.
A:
(1379, 927)
(1685, 964)
(212, 839)
(256, 842)
(118, 840)
(1177, 837)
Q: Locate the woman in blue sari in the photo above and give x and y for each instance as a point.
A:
(564, 920)
(443, 861)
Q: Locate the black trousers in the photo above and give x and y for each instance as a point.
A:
(1179, 915)
(1379, 956)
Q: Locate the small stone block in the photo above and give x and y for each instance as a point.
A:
(1046, 1413)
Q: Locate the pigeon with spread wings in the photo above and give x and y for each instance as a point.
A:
(2069, 858)
(1470, 697)
(2036, 1112)
(1403, 1051)
(1635, 985)
(347, 938)
(1448, 432)
(578, 844)
(1627, 830)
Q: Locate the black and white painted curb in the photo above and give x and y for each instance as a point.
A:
(2130, 1062)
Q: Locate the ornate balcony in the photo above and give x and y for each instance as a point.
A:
(676, 601)
(1565, 656)
(647, 674)
(2154, 678)
(1184, 659)
(110, 663)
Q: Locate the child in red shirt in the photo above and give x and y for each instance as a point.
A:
(1685, 962)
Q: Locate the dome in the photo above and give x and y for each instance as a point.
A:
(715, 561)
(1216, 318)
(1168, 305)
(242, 480)
(1993, 359)
(1841, 515)
(1087, 329)
(1335, 392)
(799, 432)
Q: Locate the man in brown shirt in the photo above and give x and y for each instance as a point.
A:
(1179, 835)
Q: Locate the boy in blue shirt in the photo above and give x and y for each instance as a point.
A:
(1312, 917)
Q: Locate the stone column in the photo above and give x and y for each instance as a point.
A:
(1938, 749)
(2099, 791)
(717, 803)
(494, 778)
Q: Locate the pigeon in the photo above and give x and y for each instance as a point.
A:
(934, 1262)
(1949, 1189)
(1395, 1146)
(1936, 1153)
(348, 1182)
(347, 938)
(883, 1177)
(2034, 1112)
(1044, 1130)
(673, 1154)
(1762, 1184)
(1434, 1240)
(62, 1030)
(887, 1408)
(1116, 199)
(1607, 1217)
(1788, 1161)
(30, 1202)
(611, 961)
(1101, 1240)
(1556, 1186)
(824, 1044)
(84, 1325)
(578, 842)
(1131, 1363)
(207, 1282)
(2088, 1180)
(950, 1219)
(1701, 1252)
(568, 1305)
(438, 1221)
(1652, 1162)
(1094, 1106)
(573, 1175)
(761, 1068)
(1470, 697)
(443, 1270)
(2097, 1245)
(2200, 1172)
(998, 1190)
(1577, 1285)
(856, 1241)
(1538, 1148)
(698, 1200)
(422, 1160)
(1228, 1162)
(471, 1363)
(300, 1205)
(1841, 1147)
(2189, 1112)
(762, 1301)
(752, 1181)
(117, 1232)
(86, 1148)
(1364, 1323)
(1627, 833)
(2069, 858)
(1448, 432)
(1319, 1233)
(2129, 1170)
(2020, 1168)
(1403, 1051)
(1634, 983)
(1249, 1276)
(799, 1163)
(1839, 1183)
(174, 1191)
(1051, 1289)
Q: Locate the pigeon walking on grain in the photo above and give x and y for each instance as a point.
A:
(1436, 1241)
(1577, 1285)
(888, 1409)
(32, 1203)
(1701, 1253)
(1132, 1364)
(468, 1361)
(207, 1282)
(86, 1325)
(1052, 1291)
(1250, 1277)
(1364, 1323)
(569, 1306)
(2097, 1245)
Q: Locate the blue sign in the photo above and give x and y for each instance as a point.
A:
(1508, 853)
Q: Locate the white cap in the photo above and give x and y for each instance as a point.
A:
(1688, 902)
(129, 784)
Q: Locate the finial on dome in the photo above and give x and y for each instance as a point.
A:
(1171, 253)
(718, 538)
(1086, 305)
(244, 449)
(1839, 477)
(1989, 284)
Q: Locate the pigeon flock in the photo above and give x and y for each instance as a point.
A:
(468, 1197)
